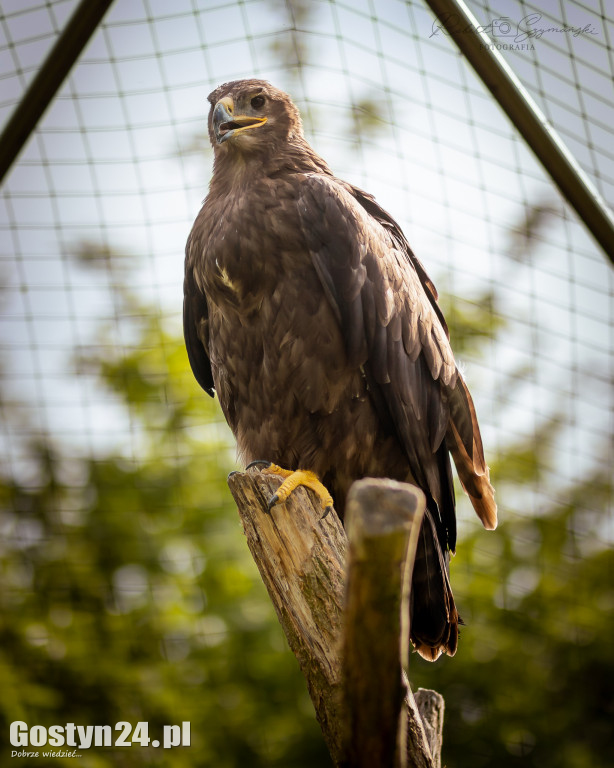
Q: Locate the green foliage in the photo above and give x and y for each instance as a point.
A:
(532, 683)
(522, 238)
(132, 597)
(126, 588)
(127, 591)
(366, 117)
(471, 322)
(291, 49)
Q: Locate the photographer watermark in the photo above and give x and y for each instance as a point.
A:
(86, 736)
(509, 34)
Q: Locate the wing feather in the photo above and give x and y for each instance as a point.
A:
(195, 328)
(399, 336)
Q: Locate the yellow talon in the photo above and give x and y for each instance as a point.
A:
(292, 480)
(309, 480)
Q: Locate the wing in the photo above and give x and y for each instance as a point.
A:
(393, 328)
(196, 328)
(368, 202)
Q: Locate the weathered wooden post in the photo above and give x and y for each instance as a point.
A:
(344, 610)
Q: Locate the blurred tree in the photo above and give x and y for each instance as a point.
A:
(291, 48)
(532, 683)
(127, 591)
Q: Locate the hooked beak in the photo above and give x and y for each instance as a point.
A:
(226, 124)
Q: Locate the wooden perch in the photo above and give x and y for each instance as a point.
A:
(350, 649)
(431, 707)
(383, 522)
(301, 559)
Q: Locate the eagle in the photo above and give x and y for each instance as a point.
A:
(309, 315)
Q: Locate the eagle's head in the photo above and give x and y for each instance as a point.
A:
(249, 115)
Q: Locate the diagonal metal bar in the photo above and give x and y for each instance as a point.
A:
(73, 39)
(462, 26)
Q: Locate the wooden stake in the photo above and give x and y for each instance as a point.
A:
(350, 647)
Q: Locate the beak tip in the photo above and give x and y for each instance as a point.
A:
(220, 116)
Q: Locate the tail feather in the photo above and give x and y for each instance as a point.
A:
(434, 619)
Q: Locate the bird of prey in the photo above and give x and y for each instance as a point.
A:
(308, 314)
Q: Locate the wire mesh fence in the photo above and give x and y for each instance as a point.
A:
(95, 212)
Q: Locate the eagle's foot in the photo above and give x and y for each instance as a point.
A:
(292, 479)
(300, 477)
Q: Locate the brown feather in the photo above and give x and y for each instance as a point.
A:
(434, 619)
(320, 330)
(464, 442)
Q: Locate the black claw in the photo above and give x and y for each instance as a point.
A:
(234, 472)
(273, 501)
(256, 462)
(326, 512)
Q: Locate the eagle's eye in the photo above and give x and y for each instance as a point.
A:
(257, 102)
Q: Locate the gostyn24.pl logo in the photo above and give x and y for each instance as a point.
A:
(123, 734)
